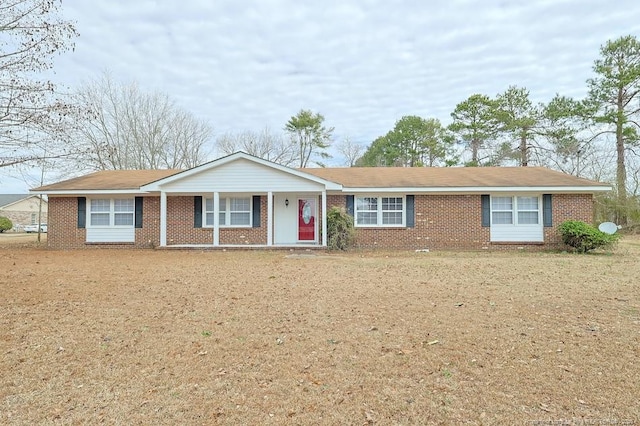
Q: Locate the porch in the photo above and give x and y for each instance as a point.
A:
(242, 219)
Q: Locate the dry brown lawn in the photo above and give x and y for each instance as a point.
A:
(212, 337)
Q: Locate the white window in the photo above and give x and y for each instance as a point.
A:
(502, 210)
(232, 211)
(528, 210)
(379, 211)
(515, 210)
(111, 212)
(123, 211)
(208, 212)
(34, 218)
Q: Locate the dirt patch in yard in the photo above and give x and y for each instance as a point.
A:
(193, 337)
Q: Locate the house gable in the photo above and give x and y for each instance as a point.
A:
(240, 172)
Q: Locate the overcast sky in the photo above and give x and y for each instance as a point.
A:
(244, 65)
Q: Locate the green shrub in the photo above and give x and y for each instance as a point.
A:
(584, 237)
(340, 232)
(5, 224)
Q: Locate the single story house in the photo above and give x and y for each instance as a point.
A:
(242, 200)
(23, 209)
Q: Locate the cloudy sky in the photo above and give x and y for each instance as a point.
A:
(363, 64)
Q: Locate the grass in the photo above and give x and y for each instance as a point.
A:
(168, 337)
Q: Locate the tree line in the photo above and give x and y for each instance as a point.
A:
(109, 125)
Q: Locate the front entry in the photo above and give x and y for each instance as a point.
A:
(306, 219)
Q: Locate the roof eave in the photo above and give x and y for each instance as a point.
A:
(87, 191)
(481, 189)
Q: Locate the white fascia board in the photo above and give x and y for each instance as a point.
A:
(155, 186)
(482, 189)
(92, 192)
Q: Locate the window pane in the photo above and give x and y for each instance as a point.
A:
(99, 219)
(208, 221)
(367, 203)
(223, 204)
(123, 205)
(208, 203)
(502, 218)
(501, 203)
(394, 203)
(367, 218)
(240, 218)
(123, 219)
(222, 218)
(100, 205)
(240, 205)
(527, 203)
(392, 218)
(528, 218)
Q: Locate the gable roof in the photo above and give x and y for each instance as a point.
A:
(451, 177)
(109, 180)
(347, 179)
(155, 186)
(8, 199)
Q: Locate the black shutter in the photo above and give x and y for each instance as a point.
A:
(256, 211)
(138, 218)
(486, 210)
(197, 211)
(82, 212)
(411, 220)
(349, 202)
(547, 210)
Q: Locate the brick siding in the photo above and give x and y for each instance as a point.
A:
(441, 222)
(455, 222)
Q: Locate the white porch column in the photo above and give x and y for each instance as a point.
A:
(269, 218)
(163, 219)
(324, 218)
(216, 218)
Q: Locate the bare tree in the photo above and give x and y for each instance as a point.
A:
(265, 144)
(351, 151)
(132, 129)
(31, 34)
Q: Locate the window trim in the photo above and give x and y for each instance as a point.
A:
(379, 211)
(515, 210)
(111, 212)
(227, 212)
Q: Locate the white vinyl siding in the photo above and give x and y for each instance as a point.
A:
(236, 177)
(379, 211)
(110, 220)
(233, 212)
(516, 219)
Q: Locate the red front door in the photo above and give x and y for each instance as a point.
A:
(307, 219)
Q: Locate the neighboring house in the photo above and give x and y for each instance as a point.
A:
(241, 200)
(23, 209)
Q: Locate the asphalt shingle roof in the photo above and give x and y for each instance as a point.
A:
(6, 199)
(109, 179)
(448, 177)
(359, 177)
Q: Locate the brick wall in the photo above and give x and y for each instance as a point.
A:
(180, 229)
(247, 236)
(441, 222)
(568, 207)
(455, 222)
(62, 223)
